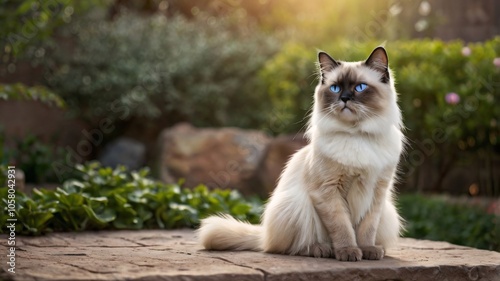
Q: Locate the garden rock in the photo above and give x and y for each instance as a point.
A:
(275, 157)
(124, 151)
(175, 255)
(223, 158)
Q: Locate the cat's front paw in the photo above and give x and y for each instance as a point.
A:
(372, 252)
(348, 254)
(317, 250)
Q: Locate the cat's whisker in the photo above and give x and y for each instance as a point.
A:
(325, 114)
(317, 77)
(308, 116)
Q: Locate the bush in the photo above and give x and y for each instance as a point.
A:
(22, 92)
(27, 22)
(436, 219)
(447, 95)
(103, 198)
(33, 156)
(170, 69)
(35, 159)
(425, 72)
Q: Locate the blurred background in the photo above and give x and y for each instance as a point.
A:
(217, 92)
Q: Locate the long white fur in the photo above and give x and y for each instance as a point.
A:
(290, 221)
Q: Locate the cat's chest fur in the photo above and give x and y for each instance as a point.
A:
(356, 162)
(362, 153)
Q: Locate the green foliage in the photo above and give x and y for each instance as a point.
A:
(103, 198)
(288, 79)
(25, 23)
(426, 71)
(435, 219)
(3, 175)
(4, 154)
(22, 92)
(35, 158)
(291, 76)
(201, 70)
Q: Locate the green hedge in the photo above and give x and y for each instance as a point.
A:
(201, 70)
(434, 218)
(21, 92)
(103, 198)
(430, 75)
(425, 70)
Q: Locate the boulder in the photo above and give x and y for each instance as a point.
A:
(219, 158)
(124, 151)
(275, 157)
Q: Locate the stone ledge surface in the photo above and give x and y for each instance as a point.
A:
(174, 255)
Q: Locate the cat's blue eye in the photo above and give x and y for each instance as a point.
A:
(360, 87)
(335, 88)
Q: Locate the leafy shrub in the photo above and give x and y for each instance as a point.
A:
(27, 22)
(429, 70)
(22, 92)
(447, 94)
(103, 198)
(33, 156)
(288, 79)
(425, 70)
(172, 69)
(435, 219)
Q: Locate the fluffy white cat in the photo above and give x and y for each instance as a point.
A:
(334, 198)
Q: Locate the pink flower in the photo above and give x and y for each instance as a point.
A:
(452, 98)
(466, 51)
(494, 208)
(496, 62)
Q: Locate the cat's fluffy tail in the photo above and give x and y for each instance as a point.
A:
(224, 232)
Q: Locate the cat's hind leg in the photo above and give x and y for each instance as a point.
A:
(389, 227)
(387, 233)
(372, 252)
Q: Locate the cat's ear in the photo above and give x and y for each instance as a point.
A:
(379, 61)
(326, 64)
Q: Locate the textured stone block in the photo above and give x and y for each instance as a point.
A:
(175, 255)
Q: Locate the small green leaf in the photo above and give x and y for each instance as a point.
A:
(102, 218)
(116, 199)
(241, 209)
(100, 199)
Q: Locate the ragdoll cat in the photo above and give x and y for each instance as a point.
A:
(334, 198)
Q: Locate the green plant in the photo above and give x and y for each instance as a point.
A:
(103, 198)
(35, 158)
(447, 93)
(436, 219)
(290, 77)
(22, 92)
(3, 175)
(167, 68)
(25, 23)
(4, 154)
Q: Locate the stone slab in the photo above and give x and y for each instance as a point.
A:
(174, 255)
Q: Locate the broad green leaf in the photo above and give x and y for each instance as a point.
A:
(241, 209)
(102, 218)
